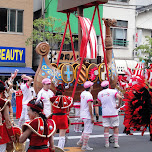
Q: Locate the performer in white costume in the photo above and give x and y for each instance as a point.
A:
(45, 94)
(86, 114)
(109, 111)
(27, 96)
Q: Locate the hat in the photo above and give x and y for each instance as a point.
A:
(88, 84)
(36, 105)
(46, 81)
(60, 87)
(104, 83)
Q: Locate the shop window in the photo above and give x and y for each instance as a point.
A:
(11, 20)
(119, 33)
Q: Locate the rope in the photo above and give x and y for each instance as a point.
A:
(103, 46)
(67, 23)
(84, 51)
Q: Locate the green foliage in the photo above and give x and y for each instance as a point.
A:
(48, 29)
(146, 50)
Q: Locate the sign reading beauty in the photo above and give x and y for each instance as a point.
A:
(12, 54)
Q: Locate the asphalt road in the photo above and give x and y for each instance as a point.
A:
(128, 143)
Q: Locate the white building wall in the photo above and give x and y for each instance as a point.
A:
(144, 20)
(142, 2)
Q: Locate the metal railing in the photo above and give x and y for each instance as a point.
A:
(120, 43)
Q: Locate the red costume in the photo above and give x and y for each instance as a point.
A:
(5, 133)
(60, 105)
(38, 139)
(19, 97)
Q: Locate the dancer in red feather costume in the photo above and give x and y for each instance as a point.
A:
(138, 106)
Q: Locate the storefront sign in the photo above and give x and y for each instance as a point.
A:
(67, 56)
(12, 54)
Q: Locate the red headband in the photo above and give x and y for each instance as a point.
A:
(35, 107)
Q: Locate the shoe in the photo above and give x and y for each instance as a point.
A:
(124, 130)
(107, 145)
(86, 148)
(131, 134)
(116, 146)
(127, 132)
(79, 143)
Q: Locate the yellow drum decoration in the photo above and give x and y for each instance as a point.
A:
(60, 66)
(102, 72)
(67, 73)
(82, 75)
(92, 72)
(54, 65)
(74, 65)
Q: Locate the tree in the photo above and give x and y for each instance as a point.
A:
(49, 29)
(146, 51)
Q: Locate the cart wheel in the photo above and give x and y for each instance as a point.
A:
(111, 139)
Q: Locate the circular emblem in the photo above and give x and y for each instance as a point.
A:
(67, 73)
(82, 75)
(102, 72)
(54, 65)
(60, 66)
(92, 72)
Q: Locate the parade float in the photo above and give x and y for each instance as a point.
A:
(73, 75)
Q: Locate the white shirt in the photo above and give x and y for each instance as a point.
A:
(45, 95)
(85, 97)
(27, 95)
(108, 101)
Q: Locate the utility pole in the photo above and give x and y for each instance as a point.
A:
(43, 9)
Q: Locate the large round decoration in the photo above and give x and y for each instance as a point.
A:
(82, 75)
(67, 73)
(42, 48)
(102, 72)
(87, 64)
(74, 65)
(92, 72)
(54, 65)
(60, 66)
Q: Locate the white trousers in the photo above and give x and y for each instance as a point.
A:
(3, 148)
(24, 117)
(88, 126)
(77, 120)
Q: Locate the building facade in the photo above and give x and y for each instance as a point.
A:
(133, 24)
(143, 26)
(16, 25)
